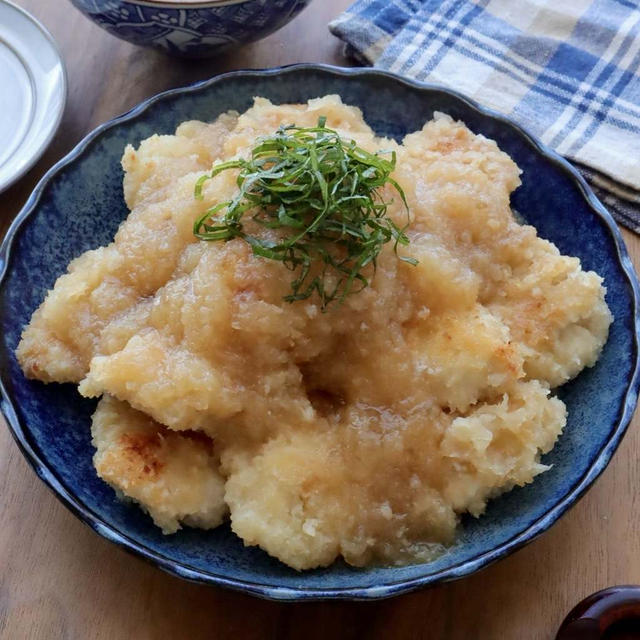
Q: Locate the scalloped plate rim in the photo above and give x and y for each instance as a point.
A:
(385, 590)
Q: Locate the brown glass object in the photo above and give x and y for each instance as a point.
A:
(610, 614)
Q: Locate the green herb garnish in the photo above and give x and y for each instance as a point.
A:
(320, 196)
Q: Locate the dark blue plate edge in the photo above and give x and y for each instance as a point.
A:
(273, 592)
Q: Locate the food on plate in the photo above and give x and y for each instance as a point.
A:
(174, 476)
(344, 341)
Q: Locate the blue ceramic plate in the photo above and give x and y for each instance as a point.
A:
(78, 205)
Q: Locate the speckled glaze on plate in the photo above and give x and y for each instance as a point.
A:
(78, 205)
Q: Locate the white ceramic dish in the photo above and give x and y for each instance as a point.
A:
(33, 91)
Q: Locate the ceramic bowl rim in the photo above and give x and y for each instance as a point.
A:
(186, 4)
(273, 591)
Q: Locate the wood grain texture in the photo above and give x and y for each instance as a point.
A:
(58, 580)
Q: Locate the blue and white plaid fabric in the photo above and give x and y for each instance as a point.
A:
(567, 70)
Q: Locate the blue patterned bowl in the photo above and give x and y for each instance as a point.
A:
(64, 217)
(191, 28)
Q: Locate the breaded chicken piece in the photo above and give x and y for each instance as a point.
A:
(63, 334)
(174, 477)
(471, 249)
(555, 313)
(497, 446)
(554, 310)
(179, 361)
(309, 496)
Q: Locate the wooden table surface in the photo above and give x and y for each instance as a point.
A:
(59, 580)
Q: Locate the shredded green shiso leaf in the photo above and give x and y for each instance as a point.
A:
(322, 193)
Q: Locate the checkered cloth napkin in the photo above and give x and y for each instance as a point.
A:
(567, 70)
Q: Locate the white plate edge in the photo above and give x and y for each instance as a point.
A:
(55, 123)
